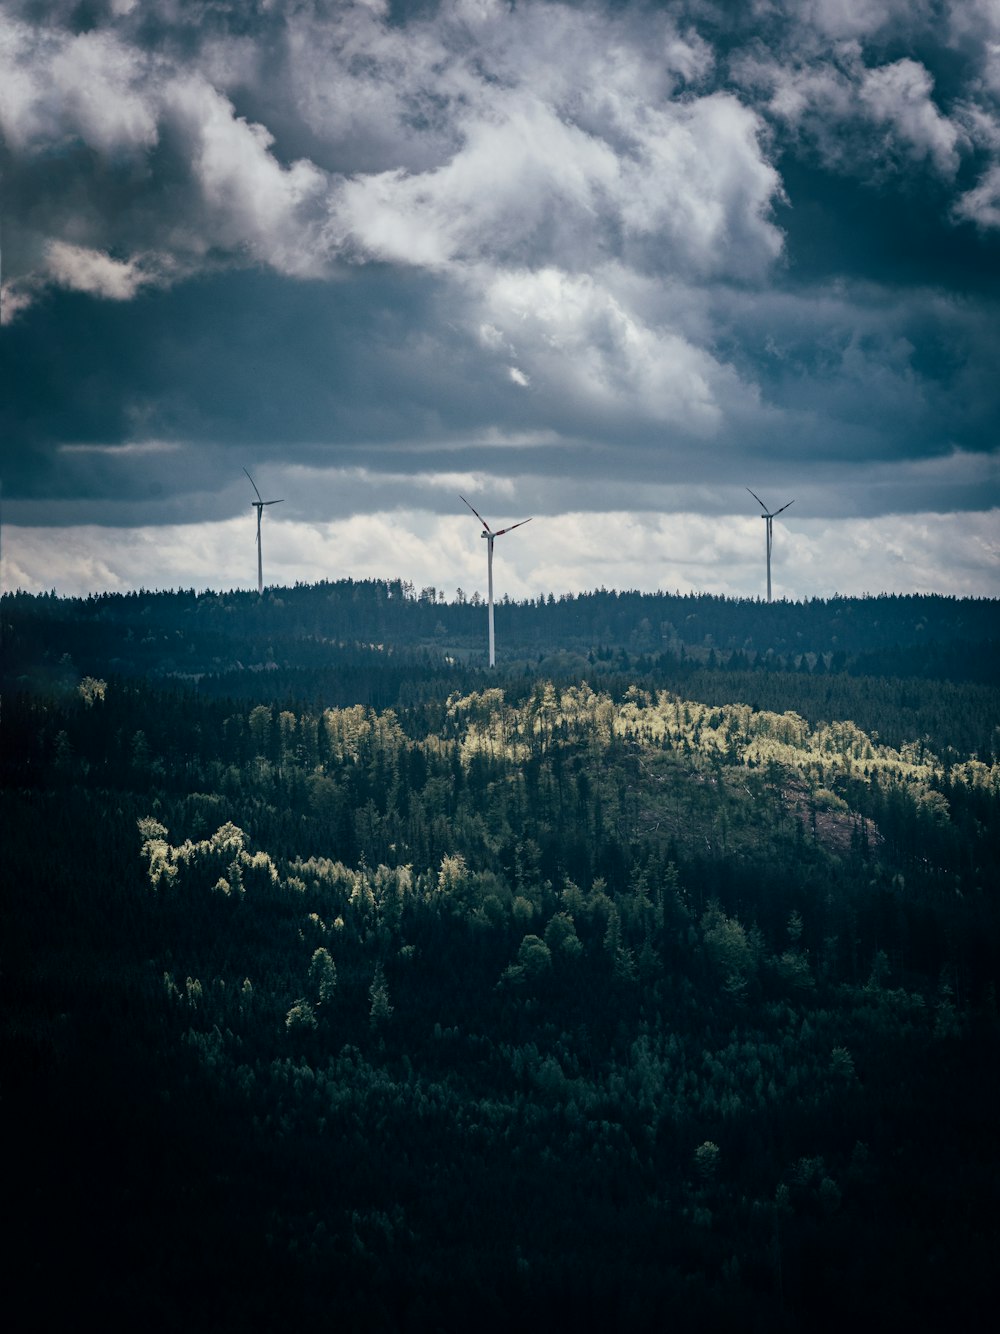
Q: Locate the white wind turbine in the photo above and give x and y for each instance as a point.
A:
(258, 505)
(491, 537)
(769, 519)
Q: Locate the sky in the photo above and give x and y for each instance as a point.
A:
(605, 264)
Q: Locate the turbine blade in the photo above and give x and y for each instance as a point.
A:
(254, 485)
(500, 531)
(476, 513)
(784, 507)
(272, 502)
(758, 500)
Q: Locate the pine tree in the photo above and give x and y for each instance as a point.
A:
(378, 993)
(322, 975)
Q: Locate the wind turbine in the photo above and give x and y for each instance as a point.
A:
(491, 537)
(258, 505)
(769, 520)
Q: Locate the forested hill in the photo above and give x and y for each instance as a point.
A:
(538, 1010)
(649, 978)
(187, 633)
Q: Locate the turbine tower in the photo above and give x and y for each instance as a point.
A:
(769, 520)
(258, 505)
(491, 537)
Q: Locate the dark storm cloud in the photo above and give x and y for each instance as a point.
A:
(619, 243)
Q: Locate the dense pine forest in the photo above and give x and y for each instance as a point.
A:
(648, 981)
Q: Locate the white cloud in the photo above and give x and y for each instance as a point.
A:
(223, 192)
(974, 21)
(991, 65)
(797, 89)
(944, 553)
(133, 449)
(84, 270)
(899, 97)
(582, 343)
(15, 298)
(586, 196)
(249, 198)
(55, 87)
(856, 18)
(700, 185)
(526, 185)
(544, 134)
(99, 89)
(981, 204)
(859, 118)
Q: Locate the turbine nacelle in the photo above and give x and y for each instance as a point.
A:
(260, 501)
(767, 513)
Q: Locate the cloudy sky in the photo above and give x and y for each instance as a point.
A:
(604, 263)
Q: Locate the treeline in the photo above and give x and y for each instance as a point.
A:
(184, 633)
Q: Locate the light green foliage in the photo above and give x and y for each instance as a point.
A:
(825, 800)
(352, 733)
(757, 770)
(486, 726)
(754, 738)
(91, 689)
(225, 852)
(259, 865)
(451, 876)
(157, 851)
(301, 1017)
(322, 975)
(323, 875)
(934, 808)
(227, 838)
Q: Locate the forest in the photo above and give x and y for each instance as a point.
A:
(648, 980)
